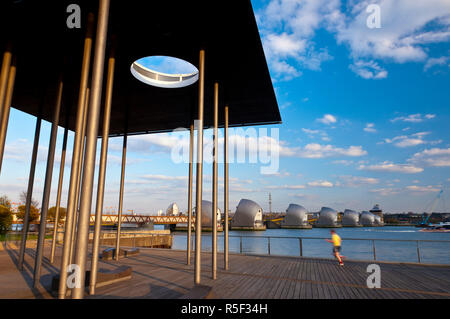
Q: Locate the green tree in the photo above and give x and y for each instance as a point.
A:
(52, 212)
(6, 219)
(5, 201)
(23, 199)
(34, 213)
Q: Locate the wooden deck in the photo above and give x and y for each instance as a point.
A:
(159, 274)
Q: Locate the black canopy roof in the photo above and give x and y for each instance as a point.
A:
(226, 30)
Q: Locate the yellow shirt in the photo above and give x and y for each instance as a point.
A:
(336, 240)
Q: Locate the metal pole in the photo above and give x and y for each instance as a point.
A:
(199, 182)
(79, 174)
(226, 203)
(102, 173)
(47, 186)
(6, 109)
(29, 193)
(215, 185)
(240, 244)
(91, 145)
(122, 182)
(418, 252)
(71, 201)
(58, 195)
(268, 245)
(374, 251)
(301, 246)
(6, 65)
(189, 224)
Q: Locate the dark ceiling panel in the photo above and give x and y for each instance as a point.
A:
(227, 31)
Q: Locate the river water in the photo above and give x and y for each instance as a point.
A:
(255, 242)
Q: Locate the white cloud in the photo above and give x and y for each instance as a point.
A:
(431, 62)
(287, 187)
(410, 140)
(370, 127)
(164, 178)
(315, 150)
(436, 157)
(368, 70)
(414, 118)
(288, 29)
(422, 189)
(356, 181)
(385, 191)
(343, 162)
(312, 133)
(324, 184)
(327, 119)
(401, 36)
(392, 168)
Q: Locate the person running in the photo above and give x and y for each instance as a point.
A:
(336, 241)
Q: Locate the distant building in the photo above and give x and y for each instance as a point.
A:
(376, 210)
(369, 220)
(296, 217)
(350, 218)
(248, 216)
(327, 218)
(172, 210)
(207, 216)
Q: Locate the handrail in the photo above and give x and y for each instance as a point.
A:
(300, 239)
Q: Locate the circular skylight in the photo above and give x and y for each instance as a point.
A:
(164, 71)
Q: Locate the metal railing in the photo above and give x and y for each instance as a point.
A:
(301, 240)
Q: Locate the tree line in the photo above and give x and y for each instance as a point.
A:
(7, 211)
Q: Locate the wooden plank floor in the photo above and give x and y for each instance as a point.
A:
(159, 273)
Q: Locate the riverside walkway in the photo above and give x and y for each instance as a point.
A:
(163, 273)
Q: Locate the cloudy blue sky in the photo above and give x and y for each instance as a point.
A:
(365, 117)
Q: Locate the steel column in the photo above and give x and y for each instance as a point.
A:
(225, 204)
(102, 173)
(26, 222)
(199, 181)
(47, 186)
(6, 65)
(79, 174)
(6, 109)
(91, 146)
(122, 182)
(71, 201)
(189, 224)
(58, 194)
(215, 185)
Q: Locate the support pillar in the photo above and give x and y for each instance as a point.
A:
(102, 173)
(47, 186)
(71, 201)
(214, 181)
(199, 181)
(26, 222)
(189, 223)
(226, 189)
(122, 182)
(58, 194)
(91, 146)
(4, 72)
(6, 109)
(79, 174)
